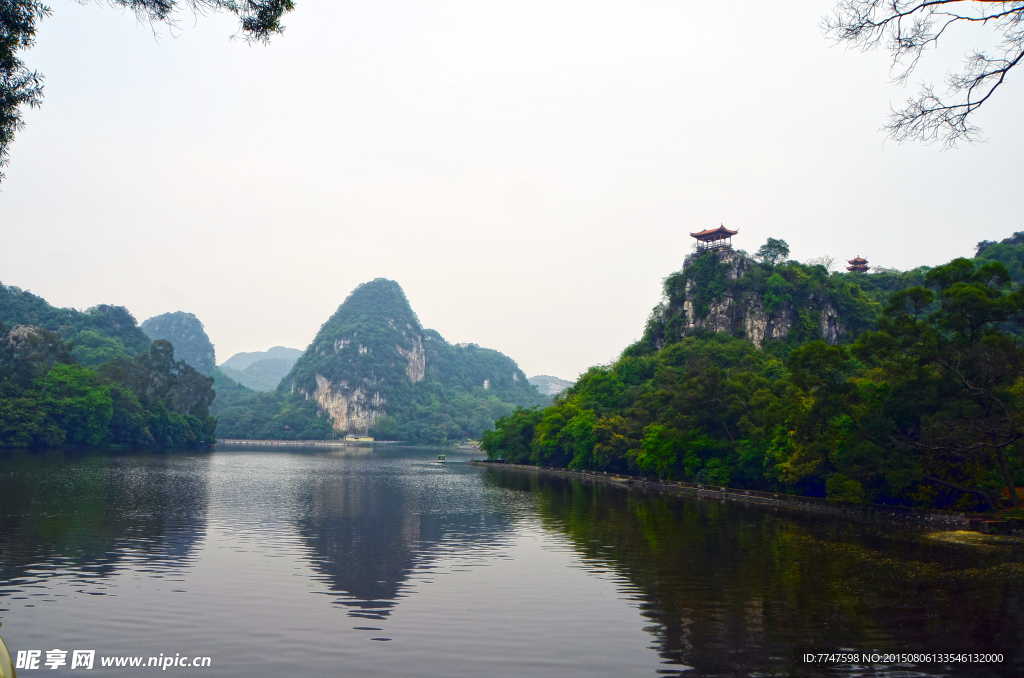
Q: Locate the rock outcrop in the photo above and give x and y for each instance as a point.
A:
(549, 385)
(349, 409)
(416, 357)
(726, 291)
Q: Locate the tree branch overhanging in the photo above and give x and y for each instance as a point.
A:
(908, 27)
(20, 87)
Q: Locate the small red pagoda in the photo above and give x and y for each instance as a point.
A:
(715, 239)
(858, 264)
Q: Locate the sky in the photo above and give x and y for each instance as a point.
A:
(529, 172)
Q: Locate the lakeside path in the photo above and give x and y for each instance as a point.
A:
(925, 517)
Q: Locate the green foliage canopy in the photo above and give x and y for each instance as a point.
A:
(924, 408)
(48, 399)
(100, 334)
(772, 252)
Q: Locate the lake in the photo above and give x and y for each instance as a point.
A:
(370, 562)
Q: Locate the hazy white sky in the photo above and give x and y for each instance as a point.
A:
(527, 171)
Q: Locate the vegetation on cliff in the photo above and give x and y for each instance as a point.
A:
(48, 398)
(187, 335)
(100, 334)
(773, 305)
(918, 402)
(1008, 251)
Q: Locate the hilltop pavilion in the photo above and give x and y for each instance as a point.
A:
(858, 264)
(715, 238)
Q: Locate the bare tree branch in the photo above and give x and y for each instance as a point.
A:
(908, 27)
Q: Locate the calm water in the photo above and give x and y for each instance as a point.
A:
(385, 563)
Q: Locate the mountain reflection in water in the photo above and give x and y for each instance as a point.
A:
(371, 528)
(383, 562)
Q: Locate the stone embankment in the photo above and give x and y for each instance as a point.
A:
(944, 519)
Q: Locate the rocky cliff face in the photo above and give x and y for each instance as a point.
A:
(372, 359)
(349, 409)
(726, 291)
(549, 385)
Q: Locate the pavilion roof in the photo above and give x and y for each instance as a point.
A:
(720, 232)
(857, 260)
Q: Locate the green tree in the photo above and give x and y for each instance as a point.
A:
(128, 422)
(79, 403)
(512, 436)
(659, 450)
(955, 378)
(92, 348)
(26, 422)
(175, 396)
(28, 353)
(772, 252)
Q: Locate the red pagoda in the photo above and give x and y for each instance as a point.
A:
(715, 238)
(858, 264)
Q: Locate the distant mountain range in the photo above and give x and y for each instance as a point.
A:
(261, 370)
(240, 361)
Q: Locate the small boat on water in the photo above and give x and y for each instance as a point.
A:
(440, 459)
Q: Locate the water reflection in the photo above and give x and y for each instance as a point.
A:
(371, 524)
(262, 560)
(81, 514)
(734, 590)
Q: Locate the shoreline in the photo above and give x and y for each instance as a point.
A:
(931, 517)
(337, 443)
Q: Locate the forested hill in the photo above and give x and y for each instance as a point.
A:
(49, 399)
(372, 368)
(1008, 251)
(764, 373)
(100, 334)
(186, 333)
(763, 301)
(368, 360)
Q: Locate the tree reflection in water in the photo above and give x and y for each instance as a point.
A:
(88, 512)
(733, 589)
